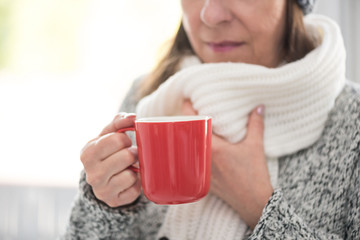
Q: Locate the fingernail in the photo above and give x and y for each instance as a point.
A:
(261, 110)
(124, 115)
(130, 115)
(127, 115)
(133, 150)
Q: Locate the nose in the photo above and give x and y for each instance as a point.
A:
(215, 12)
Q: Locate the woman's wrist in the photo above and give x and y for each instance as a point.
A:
(252, 212)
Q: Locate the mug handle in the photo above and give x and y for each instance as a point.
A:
(135, 169)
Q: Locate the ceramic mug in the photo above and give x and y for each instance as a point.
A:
(174, 157)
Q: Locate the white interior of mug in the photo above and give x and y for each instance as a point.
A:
(172, 118)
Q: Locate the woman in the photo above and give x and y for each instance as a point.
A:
(286, 144)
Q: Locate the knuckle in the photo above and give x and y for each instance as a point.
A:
(117, 140)
(136, 191)
(127, 157)
(122, 140)
(121, 115)
(83, 157)
(89, 180)
(113, 203)
(130, 176)
(94, 179)
(99, 195)
(133, 194)
(127, 198)
(86, 154)
(104, 196)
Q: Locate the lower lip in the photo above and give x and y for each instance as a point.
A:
(224, 47)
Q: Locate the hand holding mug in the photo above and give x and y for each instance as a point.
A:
(174, 157)
(239, 173)
(106, 161)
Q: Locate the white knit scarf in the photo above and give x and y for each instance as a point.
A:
(298, 97)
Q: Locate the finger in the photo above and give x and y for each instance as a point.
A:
(121, 120)
(187, 108)
(119, 183)
(104, 147)
(118, 162)
(123, 180)
(100, 174)
(131, 194)
(134, 151)
(255, 131)
(121, 194)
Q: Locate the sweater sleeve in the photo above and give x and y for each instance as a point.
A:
(283, 219)
(353, 204)
(93, 219)
(280, 220)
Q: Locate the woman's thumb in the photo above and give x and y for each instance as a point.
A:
(255, 131)
(187, 108)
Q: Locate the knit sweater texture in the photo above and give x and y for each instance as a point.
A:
(318, 194)
(297, 96)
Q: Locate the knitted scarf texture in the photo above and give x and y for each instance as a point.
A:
(297, 96)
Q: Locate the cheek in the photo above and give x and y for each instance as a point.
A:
(189, 9)
(192, 27)
(273, 24)
(191, 16)
(270, 30)
(191, 22)
(186, 21)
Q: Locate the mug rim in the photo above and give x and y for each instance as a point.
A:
(179, 118)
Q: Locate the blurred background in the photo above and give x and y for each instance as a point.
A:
(65, 66)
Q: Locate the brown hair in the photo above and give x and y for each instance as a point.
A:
(296, 44)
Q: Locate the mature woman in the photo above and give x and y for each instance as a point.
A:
(286, 142)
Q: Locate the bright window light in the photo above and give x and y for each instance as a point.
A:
(65, 66)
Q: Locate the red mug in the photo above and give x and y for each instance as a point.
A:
(174, 157)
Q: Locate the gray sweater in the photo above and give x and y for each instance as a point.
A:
(318, 194)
